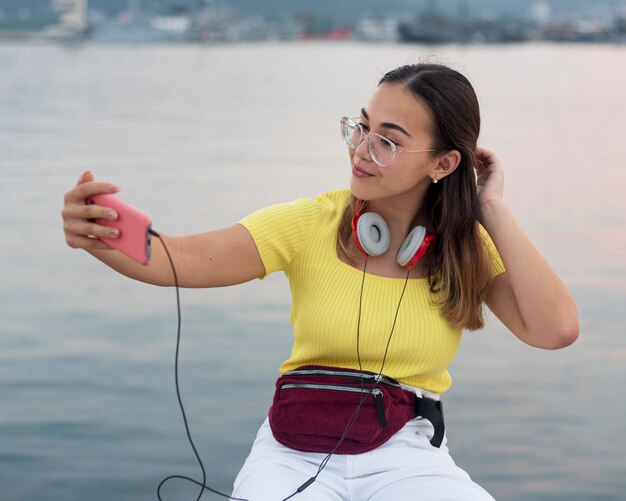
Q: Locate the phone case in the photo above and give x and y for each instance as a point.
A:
(134, 239)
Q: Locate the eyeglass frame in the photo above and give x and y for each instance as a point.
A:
(364, 136)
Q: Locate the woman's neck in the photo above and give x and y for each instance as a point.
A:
(401, 211)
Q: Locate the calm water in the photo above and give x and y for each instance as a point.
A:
(199, 137)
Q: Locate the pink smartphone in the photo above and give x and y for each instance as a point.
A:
(134, 226)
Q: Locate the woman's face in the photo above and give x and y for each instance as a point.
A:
(393, 112)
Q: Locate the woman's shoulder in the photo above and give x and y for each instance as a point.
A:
(334, 200)
(301, 211)
(328, 202)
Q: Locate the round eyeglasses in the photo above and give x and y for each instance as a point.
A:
(381, 149)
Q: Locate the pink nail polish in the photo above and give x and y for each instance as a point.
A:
(114, 189)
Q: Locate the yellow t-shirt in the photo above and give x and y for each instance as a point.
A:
(300, 238)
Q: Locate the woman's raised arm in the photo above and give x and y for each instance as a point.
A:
(529, 298)
(213, 259)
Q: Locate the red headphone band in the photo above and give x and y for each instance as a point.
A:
(419, 254)
(355, 220)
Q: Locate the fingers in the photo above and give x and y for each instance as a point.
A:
(80, 229)
(481, 155)
(82, 211)
(485, 158)
(81, 191)
(485, 155)
(85, 177)
(89, 229)
(483, 151)
(81, 232)
(89, 243)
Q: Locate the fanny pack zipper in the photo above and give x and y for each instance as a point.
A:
(325, 372)
(375, 392)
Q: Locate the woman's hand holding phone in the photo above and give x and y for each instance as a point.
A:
(105, 219)
(81, 230)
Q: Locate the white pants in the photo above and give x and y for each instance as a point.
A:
(407, 467)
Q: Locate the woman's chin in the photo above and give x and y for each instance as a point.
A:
(358, 190)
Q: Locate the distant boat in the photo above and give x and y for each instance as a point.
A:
(132, 26)
(132, 29)
(430, 28)
(73, 25)
(433, 28)
(377, 30)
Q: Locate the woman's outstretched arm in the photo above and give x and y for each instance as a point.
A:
(529, 298)
(213, 259)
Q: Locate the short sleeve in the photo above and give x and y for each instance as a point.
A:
(497, 266)
(279, 231)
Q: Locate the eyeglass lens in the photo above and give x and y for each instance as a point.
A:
(352, 133)
(380, 148)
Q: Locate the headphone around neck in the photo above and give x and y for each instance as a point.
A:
(371, 235)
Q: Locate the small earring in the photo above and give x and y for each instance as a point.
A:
(435, 180)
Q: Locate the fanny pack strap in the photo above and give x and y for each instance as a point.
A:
(433, 411)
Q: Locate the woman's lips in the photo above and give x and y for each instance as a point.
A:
(359, 173)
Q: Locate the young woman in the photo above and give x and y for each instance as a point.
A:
(384, 278)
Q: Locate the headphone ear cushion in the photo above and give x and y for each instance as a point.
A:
(373, 234)
(410, 246)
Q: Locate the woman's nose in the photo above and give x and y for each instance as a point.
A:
(362, 150)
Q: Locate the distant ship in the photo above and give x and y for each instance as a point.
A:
(430, 28)
(377, 30)
(133, 27)
(433, 28)
(73, 25)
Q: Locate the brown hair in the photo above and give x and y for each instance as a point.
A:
(457, 263)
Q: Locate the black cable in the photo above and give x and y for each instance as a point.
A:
(395, 319)
(358, 322)
(180, 402)
(377, 380)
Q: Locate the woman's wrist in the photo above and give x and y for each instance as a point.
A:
(491, 211)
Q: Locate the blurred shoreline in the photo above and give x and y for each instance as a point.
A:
(78, 22)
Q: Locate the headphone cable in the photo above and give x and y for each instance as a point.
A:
(180, 402)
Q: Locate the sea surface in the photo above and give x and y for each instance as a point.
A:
(199, 137)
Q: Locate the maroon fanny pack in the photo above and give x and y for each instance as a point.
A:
(313, 407)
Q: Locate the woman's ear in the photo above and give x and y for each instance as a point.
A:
(447, 164)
